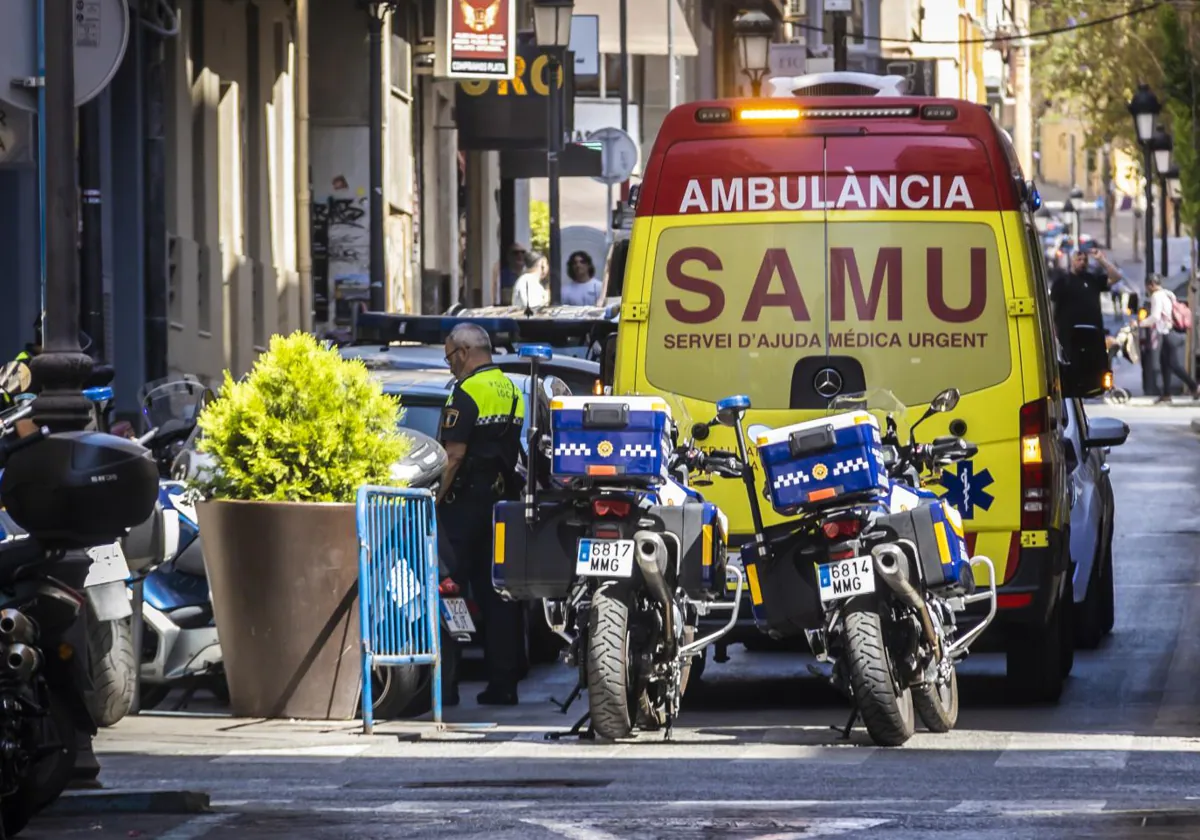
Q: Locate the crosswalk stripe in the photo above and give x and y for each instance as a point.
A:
(1070, 752)
(1034, 807)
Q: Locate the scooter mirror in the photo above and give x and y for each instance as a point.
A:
(15, 378)
(945, 401)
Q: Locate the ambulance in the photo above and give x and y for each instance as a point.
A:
(796, 249)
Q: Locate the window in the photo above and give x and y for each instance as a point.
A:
(855, 25)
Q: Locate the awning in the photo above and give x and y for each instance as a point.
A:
(645, 28)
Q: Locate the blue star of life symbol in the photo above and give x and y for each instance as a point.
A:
(966, 489)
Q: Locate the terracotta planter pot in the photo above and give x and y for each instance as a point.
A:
(284, 580)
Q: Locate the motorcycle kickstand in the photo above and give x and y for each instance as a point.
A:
(588, 734)
(845, 730)
(571, 698)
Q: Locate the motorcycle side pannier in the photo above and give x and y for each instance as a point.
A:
(783, 591)
(533, 561)
(935, 528)
(701, 533)
(79, 489)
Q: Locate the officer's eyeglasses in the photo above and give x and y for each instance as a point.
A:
(450, 356)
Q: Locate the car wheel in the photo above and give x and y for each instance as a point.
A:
(1088, 614)
(1034, 660)
(1066, 638)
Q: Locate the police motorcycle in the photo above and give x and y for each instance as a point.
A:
(61, 493)
(872, 566)
(625, 556)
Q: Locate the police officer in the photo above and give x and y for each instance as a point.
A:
(481, 432)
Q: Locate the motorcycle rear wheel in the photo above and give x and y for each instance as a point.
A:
(937, 705)
(889, 716)
(608, 666)
(48, 778)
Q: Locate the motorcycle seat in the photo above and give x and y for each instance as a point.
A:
(191, 560)
(191, 618)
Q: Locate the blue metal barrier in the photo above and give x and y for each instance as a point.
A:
(399, 607)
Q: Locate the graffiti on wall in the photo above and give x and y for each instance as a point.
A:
(341, 252)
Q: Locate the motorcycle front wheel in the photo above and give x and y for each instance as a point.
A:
(887, 713)
(937, 704)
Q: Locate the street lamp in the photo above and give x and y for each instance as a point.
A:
(1162, 145)
(377, 12)
(1167, 180)
(754, 32)
(552, 29)
(1176, 194)
(1144, 106)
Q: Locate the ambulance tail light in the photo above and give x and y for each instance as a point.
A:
(1035, 472)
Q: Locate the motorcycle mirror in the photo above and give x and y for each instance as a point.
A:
(15, 378)
(945, 401)
(730, 409)
(756, 431)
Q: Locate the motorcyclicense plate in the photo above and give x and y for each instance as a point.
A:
(846, 578)
(108, 565)
(604, 558)
(458, 617)
(731, 578)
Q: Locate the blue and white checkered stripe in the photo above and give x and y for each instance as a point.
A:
(840, 468)
(638, 450)
(567, 449)
(792, 479)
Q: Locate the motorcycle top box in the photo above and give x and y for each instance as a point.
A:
(824, 462)
(610, 437)
(79, 489)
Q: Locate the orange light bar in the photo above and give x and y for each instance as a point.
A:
(1108, 380)
(818, 495)
(769, 114)
(601, 469)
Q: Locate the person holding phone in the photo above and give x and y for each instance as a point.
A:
(1075, 295)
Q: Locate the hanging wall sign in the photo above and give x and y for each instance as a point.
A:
(476, 39)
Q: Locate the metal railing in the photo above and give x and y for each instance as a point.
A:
(399, 604)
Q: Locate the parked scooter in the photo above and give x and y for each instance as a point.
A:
(625, 555)
(65, 492)
(872, 567)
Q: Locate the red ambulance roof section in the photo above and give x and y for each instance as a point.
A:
(872, 163)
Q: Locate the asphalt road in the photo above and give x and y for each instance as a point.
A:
(755, 757)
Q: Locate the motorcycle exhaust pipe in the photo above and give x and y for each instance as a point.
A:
(891, 562)
(21, 661)
(652, 559)
(15, 626)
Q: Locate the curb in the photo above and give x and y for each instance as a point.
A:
(83, 803)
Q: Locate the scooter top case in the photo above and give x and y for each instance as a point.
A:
(79, 489)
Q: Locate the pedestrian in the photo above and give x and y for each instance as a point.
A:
(481, 432)
(1075, 294)
(1169, 330)
(531, 290)
(512, 267)
(584, 288)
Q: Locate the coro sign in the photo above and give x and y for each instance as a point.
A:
(896, 295)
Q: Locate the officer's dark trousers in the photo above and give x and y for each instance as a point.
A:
(467, 522)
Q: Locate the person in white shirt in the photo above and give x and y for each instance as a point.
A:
(530, 291)
(584, 288)
(1172, 342)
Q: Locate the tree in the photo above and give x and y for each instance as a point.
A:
(539, 226)
(1181, 80)
(1091, 73)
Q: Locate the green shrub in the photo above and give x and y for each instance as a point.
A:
(305, 425)
(539, 227)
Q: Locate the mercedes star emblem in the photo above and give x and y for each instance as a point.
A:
(827, 383)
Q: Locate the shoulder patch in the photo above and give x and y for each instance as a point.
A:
(450, 418)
